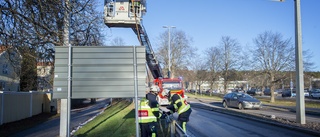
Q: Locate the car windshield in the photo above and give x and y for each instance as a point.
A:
(171, 85)
(316, 90)
(244, 96)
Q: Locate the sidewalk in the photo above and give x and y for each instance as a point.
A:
(311, 111)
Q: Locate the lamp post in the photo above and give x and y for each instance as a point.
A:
(311, 82)
(299, 65)
(169, 50)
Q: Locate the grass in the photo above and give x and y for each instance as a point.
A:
(116, 121)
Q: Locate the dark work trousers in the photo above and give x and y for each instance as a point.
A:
(148, 129)
(183, 118)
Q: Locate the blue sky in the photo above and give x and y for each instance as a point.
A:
(206, 21)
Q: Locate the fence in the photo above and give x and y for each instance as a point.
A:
(15, 106)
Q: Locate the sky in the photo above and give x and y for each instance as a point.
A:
(206, 21)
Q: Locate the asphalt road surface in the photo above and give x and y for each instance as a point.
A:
(265, 110)
(205, 123)
(51, 128)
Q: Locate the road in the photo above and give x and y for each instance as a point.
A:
(202, 122)
(265, 110)
(205, 123)
(51, 128)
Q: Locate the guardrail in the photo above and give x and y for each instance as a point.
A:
(169, 127)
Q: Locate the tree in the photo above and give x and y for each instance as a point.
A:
(230, 59)
(38, 25)
(28, 77)
(117, 41)
(212, 58)
(273, 54)
(181, 51)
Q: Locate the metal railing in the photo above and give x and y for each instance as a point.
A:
(170, 128)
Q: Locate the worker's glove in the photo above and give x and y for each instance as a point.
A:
(170, 107)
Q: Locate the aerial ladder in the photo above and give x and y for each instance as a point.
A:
(128, 14)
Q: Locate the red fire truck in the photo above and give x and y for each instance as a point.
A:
(174, 85)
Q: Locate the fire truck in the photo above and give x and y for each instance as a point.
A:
(128, 14)
(174, 85)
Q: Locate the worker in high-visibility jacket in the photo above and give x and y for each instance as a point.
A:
(181, 106)
(149, 114)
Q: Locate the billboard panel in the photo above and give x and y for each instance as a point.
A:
(100, 72)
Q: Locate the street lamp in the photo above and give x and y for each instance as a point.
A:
(169, 62)
(311, 82)
(299, 66)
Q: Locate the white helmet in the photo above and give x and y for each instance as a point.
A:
(154, 88)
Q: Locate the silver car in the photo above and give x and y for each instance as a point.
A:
(315, 93)
(241, 101)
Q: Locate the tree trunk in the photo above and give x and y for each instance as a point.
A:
(272, 88)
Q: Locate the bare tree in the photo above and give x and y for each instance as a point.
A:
(181, 51)
(117, 41)
(200, 74)
(212, 58)
(231, 58)
(272, 55)
(38, 25)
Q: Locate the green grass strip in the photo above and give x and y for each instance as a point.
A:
(116, 121)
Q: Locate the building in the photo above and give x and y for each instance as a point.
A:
(218, 86)
(10, 68)
(44, 74)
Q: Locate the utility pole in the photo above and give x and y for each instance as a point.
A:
(169, 50)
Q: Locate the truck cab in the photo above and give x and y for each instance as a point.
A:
(174, 85)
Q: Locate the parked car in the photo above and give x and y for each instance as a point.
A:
(288, 93)
(267, 91)
(254, 91)
(279, 91)
(314, 93)
(241, 101)
(306, 93)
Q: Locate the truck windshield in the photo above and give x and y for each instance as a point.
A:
(171, 85)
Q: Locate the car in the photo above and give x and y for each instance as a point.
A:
(314, 93)
(288, 93)
(267, 92)
(254, 91)
(241, 101)
(279, 91)
(306, 93)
